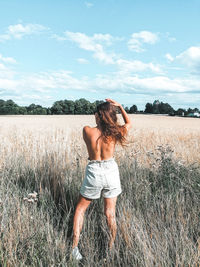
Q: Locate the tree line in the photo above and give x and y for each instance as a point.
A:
(83, 106)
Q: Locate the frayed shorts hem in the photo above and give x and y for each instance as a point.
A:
(104, 196)
(89, 197)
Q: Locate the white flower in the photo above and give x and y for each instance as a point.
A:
(33, 195)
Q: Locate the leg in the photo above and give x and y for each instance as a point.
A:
(109, 211)
(81, 207)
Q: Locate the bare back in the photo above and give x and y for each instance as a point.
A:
(97, 148)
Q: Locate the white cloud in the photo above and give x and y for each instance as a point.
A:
(169, 38)
(138, 39)
(2, 67)
(17, 31)
(4, 37)
(191, 58)
(45, 83)
(6, 83)
(7, 59)
(103, 37)
(85, 42)
(127, 66)
(6, 72)
(82, 60)
(89, 4)
(89, 42)
(159, 83)
(58, 38)
(149, 86)
(169, 57)
(93, 44)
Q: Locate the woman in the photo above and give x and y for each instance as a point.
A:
(102, 174)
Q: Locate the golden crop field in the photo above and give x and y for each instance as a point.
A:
(34, 135)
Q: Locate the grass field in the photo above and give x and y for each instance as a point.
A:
(157, 213)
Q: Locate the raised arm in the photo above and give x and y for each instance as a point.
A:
(125, 116)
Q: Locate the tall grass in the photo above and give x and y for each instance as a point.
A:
(157, 213)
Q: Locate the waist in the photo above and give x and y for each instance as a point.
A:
(101, 161)
(107, 163)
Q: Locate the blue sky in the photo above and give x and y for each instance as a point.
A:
(131, 51)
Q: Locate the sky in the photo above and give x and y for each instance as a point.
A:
(133, 51)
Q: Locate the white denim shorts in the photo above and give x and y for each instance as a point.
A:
(101, 176)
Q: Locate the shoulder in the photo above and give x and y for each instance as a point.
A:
(88, 132)
(87, 129)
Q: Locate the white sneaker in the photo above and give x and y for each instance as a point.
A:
(76, 254)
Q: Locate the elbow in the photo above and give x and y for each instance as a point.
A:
(128, 125)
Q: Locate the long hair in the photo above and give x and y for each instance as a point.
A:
(110, 129)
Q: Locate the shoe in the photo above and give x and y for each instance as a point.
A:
(76, 254)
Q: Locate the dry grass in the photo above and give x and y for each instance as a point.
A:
(157, 213)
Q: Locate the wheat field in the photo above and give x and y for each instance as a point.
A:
(157, 213)
(32, 136)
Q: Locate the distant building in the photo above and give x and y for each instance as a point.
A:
(195, 114)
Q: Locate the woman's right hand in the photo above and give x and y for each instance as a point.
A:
(125, 116)
(113, 102)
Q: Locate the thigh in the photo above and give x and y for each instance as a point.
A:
(83, 203)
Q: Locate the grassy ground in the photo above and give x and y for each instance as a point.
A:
(157, 213)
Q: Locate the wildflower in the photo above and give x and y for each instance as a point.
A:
(149, 153)
(180, 163)
(33, 195)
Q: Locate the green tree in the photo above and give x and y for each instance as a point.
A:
(180, 112)
(82, 106)
(165, 108)
(133, 109)
(8, 107)
(57, 108)
(22, 110)
(196, 110)
(156, 104)
(68, 107)
(148, 108)
(127, 110)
